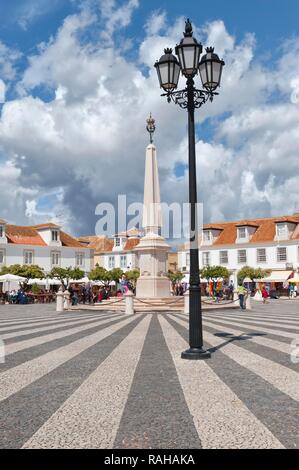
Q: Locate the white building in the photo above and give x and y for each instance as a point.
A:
(45, 245)
(116, 252)
(269, 243)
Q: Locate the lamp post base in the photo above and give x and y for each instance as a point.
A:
(195, 354)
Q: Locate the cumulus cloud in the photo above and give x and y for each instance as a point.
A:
(88, 142)
(8, 59)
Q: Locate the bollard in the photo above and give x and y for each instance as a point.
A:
(129, 299)
(186, 302)
(248, 302)
(59, 300)
(67, 299)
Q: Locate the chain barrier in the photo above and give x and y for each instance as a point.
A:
(161, 302)
(214, 302)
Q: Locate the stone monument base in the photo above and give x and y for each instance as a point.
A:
(152, 286)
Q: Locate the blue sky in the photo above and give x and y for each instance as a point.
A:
(271, 20)
(77, 84)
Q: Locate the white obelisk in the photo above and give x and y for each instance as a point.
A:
(152, 249)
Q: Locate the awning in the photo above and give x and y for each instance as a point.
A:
(276, 276)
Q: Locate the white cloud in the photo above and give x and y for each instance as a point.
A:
(2, 91)
(116, 17)
(88, 143)
(8, 59)
(155, 23)
(30, 10)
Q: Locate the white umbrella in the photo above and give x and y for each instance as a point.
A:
(11, 278)
(40, 282)
(79, 281)
(44, 282)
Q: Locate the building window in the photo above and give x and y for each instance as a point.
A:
(54, 235)
(117, 241)
(242, 232)
(123, 261)
(223, 257)
(207, 236)
(242, 256)
(187, 259)
(206, 258)
(281, 230)
(1, 231)
(282, 254)
(80, 259)
(261, 255)
(55, 258)
(28, 257)
(111, 262)
(2, 257)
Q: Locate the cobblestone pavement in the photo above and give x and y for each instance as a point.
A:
(106, 380)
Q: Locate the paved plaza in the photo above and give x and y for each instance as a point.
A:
(106, 380)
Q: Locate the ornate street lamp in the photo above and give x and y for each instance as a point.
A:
(210, 70)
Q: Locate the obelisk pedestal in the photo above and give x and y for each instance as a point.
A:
(152, 282)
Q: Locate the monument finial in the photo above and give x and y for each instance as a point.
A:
(150, 127)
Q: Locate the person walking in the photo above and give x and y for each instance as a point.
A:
(265, 294)
(290, 290)
(241, 294)
(231, 290)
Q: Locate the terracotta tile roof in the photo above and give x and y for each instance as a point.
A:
(131, 243)
(47, 225)
(212, 227)
(29, 236)
(265, 229)
(23, 236)
(99, 243)
(68, 240)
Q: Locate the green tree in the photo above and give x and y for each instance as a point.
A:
(100, 274)
(214, 272)
(174, 277)
(116, 274)
(66, 274)
(132, 276)
(252, 273)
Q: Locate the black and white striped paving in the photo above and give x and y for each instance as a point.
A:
(106, 380)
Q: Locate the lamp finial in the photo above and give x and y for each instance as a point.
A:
(150, 127)
(188, 29)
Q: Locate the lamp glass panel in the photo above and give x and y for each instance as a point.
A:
(203, 73)
(209, 72)
(181, 57)
(164, 74)
(197, 49)
(176, 74)
(216, 72)
(189, 53)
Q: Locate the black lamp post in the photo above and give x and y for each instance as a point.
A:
(210, 69)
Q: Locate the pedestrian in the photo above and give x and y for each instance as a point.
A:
(265, 294)
(290, 290)
(241, 294)
(231, 290)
